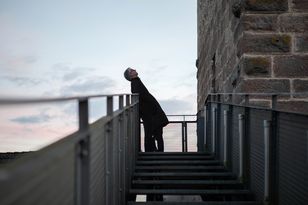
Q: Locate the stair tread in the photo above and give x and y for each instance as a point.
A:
(162, 157)
(183, 174)
(170, 162)
(179, 167)
(173, 153)
(197, 203)
(188, 182)
(189, 191)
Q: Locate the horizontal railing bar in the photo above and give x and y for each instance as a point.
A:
(261, 94)
(5, 101)
(259, 108)
(190, 115)
(178, 122)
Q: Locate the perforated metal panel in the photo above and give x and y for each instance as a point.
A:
(97, 165)
(235, 139)
(257, 151)
(293, 165)
(45, 177)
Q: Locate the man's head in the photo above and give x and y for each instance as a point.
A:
(130, 73)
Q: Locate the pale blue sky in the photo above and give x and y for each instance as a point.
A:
(74, 47)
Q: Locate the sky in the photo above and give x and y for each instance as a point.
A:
(52, 48)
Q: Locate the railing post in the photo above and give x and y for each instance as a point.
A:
(185, 134)
(205, 126)
(246, 100)
(274, 102)
(127, 100)
(82, 190)
(225, 159)
(109, 154)
(214, 128)
(121, 101)
(267, 145)
(230, 99)
(241, 153)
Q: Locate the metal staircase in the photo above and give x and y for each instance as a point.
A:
(187, 173)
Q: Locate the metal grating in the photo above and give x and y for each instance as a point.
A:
(257, 151)
(234, 138)
(293, 166)
(47, 169)
(97, 168)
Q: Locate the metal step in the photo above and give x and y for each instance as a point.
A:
(174, 153)
(197, 203)
(177, 168)
(176, 157)
(190, 191)
(184, 175)
(182, 162)
(186, 182)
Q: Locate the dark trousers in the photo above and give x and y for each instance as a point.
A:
(158, 136)
(150, 136)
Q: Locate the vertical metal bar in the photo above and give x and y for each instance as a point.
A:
(109, 153)
(246, 100)
(185, 129)
(109, 105)
(241, 138)
(230, 98)
(127, 99)
(225, 137)
(214, 128)
(307, 146)
(121, 101)
(205, 124)
(82, 190)
(274, 102)
(267, 127)
(218, 98)
(183, 140)
(83, 114)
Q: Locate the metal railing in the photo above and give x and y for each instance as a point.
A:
(91, 166)
(179, 135)
(265, 147)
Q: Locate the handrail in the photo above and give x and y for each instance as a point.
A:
(22, 100)
(261, 94)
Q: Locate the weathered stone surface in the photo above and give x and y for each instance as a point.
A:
(256, 66)
(266, 5)
(299, 5)
(264, 43)
(260, 103)
(291, 66)
(293, 106)
(260, 22)
(301, 43)
(300, 86)
(264, 86)
(293, 23)
(273, 34)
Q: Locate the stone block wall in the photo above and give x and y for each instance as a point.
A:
(254, 46)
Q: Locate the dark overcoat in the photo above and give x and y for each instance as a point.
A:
(149, 109)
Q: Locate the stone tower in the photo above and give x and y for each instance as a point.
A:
(254, 46)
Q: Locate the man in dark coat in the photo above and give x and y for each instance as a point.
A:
(152, 115)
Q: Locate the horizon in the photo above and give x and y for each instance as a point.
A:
(61, 49)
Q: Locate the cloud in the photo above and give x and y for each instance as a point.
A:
(66, 72)
(32, 119)
(177, 106)
(89, 85)
(21, 81)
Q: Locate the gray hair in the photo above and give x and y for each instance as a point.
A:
(127, 74)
